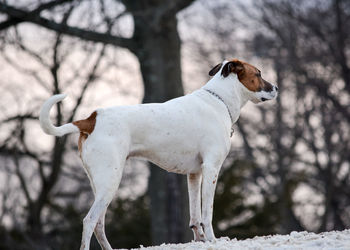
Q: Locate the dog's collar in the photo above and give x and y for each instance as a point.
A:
(229, 112)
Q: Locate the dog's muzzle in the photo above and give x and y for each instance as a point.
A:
(270, 95)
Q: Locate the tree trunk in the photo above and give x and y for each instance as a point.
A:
(158, 51)
(289, 221)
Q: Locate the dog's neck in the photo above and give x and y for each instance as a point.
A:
(230, 90)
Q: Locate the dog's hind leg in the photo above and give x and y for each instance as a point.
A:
(100, 233)
(104, 168)
(194, 182)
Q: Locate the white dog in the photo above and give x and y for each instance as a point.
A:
(186, 135)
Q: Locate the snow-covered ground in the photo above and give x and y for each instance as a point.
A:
(335, 240)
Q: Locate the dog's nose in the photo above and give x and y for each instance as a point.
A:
(276, 88)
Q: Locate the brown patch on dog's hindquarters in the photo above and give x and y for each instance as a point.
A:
(86, 127)
(82, 138)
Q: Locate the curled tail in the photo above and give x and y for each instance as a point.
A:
(45, 122)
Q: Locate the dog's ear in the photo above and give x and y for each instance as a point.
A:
(215, 70)
(234, 66)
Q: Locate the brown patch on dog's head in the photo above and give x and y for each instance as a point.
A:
(233, 66)
(247, 74)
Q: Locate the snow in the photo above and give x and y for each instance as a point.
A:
(335, 240)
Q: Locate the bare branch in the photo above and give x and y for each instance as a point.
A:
(67, 30)
(21, 117)
(88, 82)
(22, 180)
(181, 4)
(11, 21)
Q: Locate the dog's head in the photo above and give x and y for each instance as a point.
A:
(258, 89)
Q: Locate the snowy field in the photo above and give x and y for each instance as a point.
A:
(296, 240)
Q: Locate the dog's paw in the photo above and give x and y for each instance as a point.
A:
(213, 240)
(201, 238)
(198, 232)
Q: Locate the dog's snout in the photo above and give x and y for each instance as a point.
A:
(276, 88)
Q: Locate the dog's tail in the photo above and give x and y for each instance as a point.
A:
(45, 122)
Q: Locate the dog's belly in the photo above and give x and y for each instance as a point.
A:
(180, 162)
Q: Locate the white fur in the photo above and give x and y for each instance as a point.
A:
(188, 135)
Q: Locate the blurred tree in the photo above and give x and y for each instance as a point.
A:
(236, 216)
(156, 44)
(299, 143)
(40, 171)
(130, 217)
(307, 43)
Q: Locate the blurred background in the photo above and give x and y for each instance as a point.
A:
(289, 165)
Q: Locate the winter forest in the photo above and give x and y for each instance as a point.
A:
(289, 164)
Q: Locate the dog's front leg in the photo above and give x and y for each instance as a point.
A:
(210, 172)
(194, 182)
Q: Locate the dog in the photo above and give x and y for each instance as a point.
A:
(186, 135)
